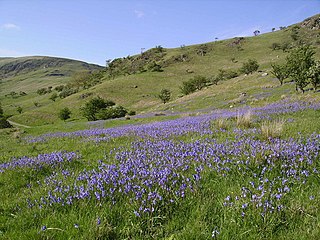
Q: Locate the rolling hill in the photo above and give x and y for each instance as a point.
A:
(135, 84)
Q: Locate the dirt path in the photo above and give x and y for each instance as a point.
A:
(18, 124)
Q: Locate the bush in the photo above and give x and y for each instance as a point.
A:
(19, 109)
(276, 46)
(53, 97)
(4, 123)
(187, 88)
(165, 95)
(131, 113)
(111, 112)
(67, 92)
(59, 88)
(250, 66)
(42, 91)
(193, 84)
(64, 114)
(95, 105)
(199, 82)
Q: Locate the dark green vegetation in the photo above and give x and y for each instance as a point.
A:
(241, 172)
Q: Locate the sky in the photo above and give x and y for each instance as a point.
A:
(97, 30)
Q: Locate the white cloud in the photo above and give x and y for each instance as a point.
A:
(10, 26)
(139, 14)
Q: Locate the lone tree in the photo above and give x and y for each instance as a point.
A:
(64, 113)
(250, 66)
(299, 62)
(280, 72)
(165, 95)
(256, 32)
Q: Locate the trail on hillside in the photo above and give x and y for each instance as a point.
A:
(18, 124)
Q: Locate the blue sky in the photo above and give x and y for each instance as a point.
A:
(97, 30)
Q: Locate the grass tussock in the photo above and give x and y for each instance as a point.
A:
(272, 129)
(222, 123)
(244, 119)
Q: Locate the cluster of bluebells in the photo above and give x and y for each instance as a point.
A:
(154, 174)
(178, 127)
(157, 171)
(38, 162)
(283, 167)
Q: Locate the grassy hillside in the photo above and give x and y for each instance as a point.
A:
(28, 74)
(138, 90)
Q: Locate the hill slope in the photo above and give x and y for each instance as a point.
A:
(135, 84)
(20, 73)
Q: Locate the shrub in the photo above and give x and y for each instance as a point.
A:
(187, 88)
(59, 88)
(53, 97)
(272, 129)
(67, 92)
(111, 112)
(42, 91)
(19, 109)
(165, 95)
(92, 107)
(250, 66)
(244, 119)
(193, 84)
(4, 123)
(131, 113)
(199, 82)
(64, 114)
(276, 46)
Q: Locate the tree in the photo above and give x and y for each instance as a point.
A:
(299, 62)
(80, 79)
(92, 107)
(165, 95)
(250, 66)
(273, 29)
(256, 32)
(64, 113)
(314, 75)
(280, 72)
